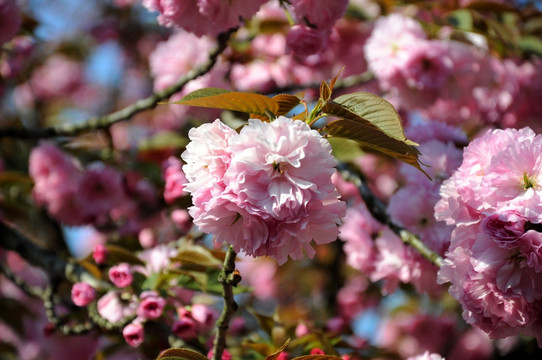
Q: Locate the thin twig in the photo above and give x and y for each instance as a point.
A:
(55, 266)
(349, 81)
(229, 278)
(379, 212)
(100, 122)
(34, 291)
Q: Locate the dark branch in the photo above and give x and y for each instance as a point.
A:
(102, 122)
(54, 266)
(379, 212)
(229, 278)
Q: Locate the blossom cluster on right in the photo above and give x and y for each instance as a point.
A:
(494, 261)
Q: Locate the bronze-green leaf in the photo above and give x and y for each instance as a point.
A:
(181, 354)
(230, 100)
(372, 122)
(276, 354)
(195, 254)
(286, 102)
(118, 254)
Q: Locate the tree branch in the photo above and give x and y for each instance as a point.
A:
(229, 278)
(343, 83)
(54, 266)
(379, 212)
(101, 122)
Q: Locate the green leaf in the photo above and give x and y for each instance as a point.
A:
(163, 140)
(372, 109)
(462, 19)
(198, 255)
(345, 150)
(181, 354)
(372, 122)
(117, 254)
(531, 44)
(276, 354)
(230, 100)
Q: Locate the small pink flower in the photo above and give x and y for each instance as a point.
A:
(305, 41)
(321, 13)
(317, 351)
(83, 294)
(101, 189)
(205, 316)
(115, 308)
(133, 334)
(99, 254)
(121, 275)
(174, 179)
(225, 355)
(186, 326)
(151, 305)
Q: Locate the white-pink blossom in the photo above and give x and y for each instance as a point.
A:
(388, 47)
(494, 260)
(203, 17)
(267, 190)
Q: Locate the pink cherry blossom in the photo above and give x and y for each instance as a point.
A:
(82, 294)
(10, 20)
(58, 76)
(320, 13)
(305, 41)
(267, 191)
(99, 254)
(202, 16)
(56, 176)
(174, 179)
(133, 334)
(205, 316)
(225, 355)
(100, 190)
(185, 327)
(114, 307)
(388, 47)
(151, 305)
(121, 275)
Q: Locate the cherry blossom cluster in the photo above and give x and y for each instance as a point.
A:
(131, 306)
(447, 80)
(96, 194)
(267, 190)
(494, 259)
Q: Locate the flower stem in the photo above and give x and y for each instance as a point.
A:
(229, 278)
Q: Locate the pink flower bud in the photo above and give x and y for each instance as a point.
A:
(82, 294)
(317, 351)
(133, 334)
(225, 355)
(121, 275)
(100, 254)
(151, 305)
(185, 327)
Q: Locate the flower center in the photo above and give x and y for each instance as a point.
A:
(529, 182)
